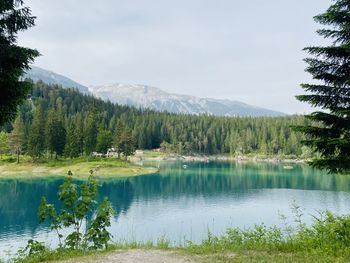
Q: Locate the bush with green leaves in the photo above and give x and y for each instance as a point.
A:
(78, 201)
(33, 248)
(327, 237)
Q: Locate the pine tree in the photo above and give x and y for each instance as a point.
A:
(36, 142)
(72, 148)
(55, 134)
(184, 133)
(17, 137)
(330, 67)
(91, 130)
(14, 60)
(117, 137)
(126, 143)
(104, 140)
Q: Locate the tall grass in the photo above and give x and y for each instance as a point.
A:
(327, 239)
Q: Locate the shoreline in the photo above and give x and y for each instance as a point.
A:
(208, 158)
(104, 169)
(107, 168)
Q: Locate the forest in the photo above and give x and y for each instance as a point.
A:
(63, 122)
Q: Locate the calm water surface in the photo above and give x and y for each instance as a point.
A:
(182, 204)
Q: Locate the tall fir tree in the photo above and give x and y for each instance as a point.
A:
(126, 144)
(330, 67)
(14, 60)
(79, 132)
(17, 137)
(117, 136)
(36, 141)
(72, 147)
(55, 134)
(91, 130)
(104, 140)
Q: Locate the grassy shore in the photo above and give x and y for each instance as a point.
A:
(206, 253)
(80, 167)
(201, 253)
(108, 167)
(326, 240)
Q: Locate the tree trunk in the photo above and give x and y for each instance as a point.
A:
(17, 156)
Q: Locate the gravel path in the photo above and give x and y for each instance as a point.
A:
(136, 256)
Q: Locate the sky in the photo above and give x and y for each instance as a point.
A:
(250, 51)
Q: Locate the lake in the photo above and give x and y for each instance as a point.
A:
(182, 202)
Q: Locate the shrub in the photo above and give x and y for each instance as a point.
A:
(77, 203)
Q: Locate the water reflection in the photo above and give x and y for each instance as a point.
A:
(178, 193)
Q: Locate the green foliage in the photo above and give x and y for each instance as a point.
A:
(77, 203)
(36, 140)
(163, 243)
(4, 144)
(17, 137)
(126, 143)
(14, 60)
(91, 130)
(80, 116)
(55, 133)
(98, 234)
(33, 248)
(104, 140)
(117, 137)
(329, 66)
(73, 141)
(327, 238)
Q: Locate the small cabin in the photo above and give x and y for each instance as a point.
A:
(112, 152)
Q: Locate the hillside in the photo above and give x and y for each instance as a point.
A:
(154, 98)
(84, 115)
(159, 100)
(49, 77)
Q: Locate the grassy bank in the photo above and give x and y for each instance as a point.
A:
(80, 167)
(326, 240)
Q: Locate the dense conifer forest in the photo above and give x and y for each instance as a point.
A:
(63, 122)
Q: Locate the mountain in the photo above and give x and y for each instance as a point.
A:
(159, 100)
(50, 77)
(154, 98)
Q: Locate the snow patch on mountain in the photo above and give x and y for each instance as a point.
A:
(154, 98)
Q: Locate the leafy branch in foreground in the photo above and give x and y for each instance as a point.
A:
(77, 202)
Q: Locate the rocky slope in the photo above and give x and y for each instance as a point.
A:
(154, 98)
(157, 99)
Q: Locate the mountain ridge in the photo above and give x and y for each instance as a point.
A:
(49, 77)
(154, 98)
(145, 96)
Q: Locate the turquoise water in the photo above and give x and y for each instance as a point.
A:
(182, 203)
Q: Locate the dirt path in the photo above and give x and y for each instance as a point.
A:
(137, 256)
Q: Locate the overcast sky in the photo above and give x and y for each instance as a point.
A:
(249, 51)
